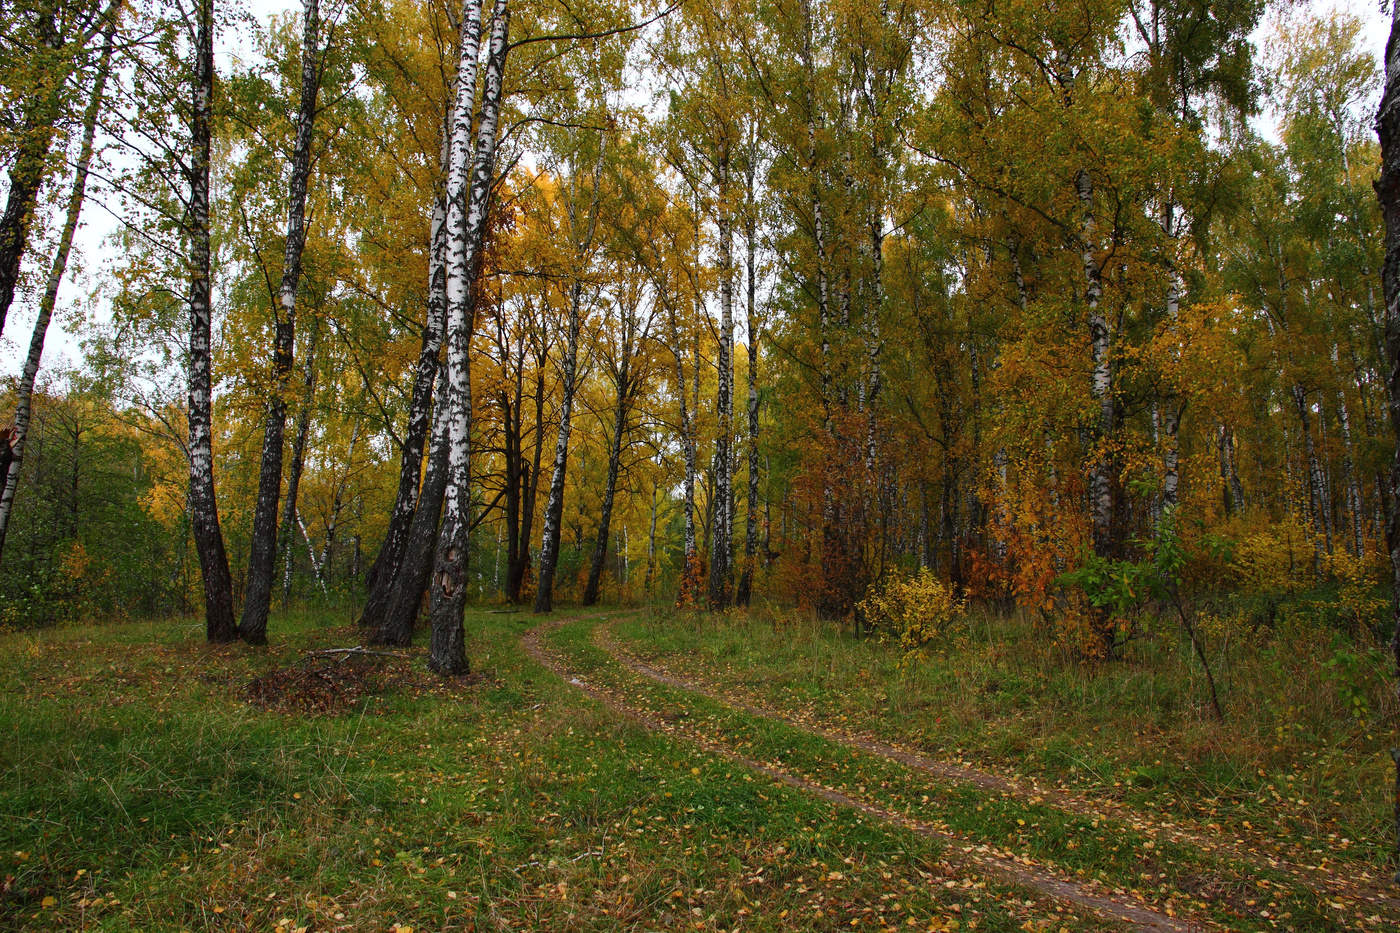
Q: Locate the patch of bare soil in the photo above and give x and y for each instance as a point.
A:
(335, 680)
(318, 684)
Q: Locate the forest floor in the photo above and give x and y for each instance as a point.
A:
(611, 770)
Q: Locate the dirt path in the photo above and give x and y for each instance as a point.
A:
(1117, 906)
(1329, 885)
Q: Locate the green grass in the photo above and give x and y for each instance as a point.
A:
(142, 792)
(1300, 765)
(1235, 892)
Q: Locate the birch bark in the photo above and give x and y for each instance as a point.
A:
(294, 470)
(420, 408)
(466, 234)
(626, 377)
(39, 114)
(410, 581)
(203, 505)
(721, 539)
(745, 588)
(252, 627)
(621, 409)
(1100, 475)
(1388, 189)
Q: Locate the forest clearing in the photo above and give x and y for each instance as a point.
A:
(717, 464)
(621, 770)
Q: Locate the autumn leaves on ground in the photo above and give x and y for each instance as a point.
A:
(649, 769)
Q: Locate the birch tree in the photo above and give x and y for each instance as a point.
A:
(581, 230)
(1388, 189)
(204, 509)
(626, 360)
(252, 627)
(465, 231)
(55, 36)
(410, 578)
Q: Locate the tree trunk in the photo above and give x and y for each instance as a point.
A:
(14, 455)
(420, 407)
(651, 545)
(512, 444)
(1355, 504)
(395, 626)
(518, 570)
(1230, 478)
(1100, 472)
(873, 340)
(831, 549)
(316, 568)
(745, 590)
(1171, 407)
(337, 504)
(1388, 189)
(554, 507)
(294, 470)
(204, 510)
(389, 560)
(1318, 498)
(690, 558)
(40, 111)
(721, 538)
(466, 236)
(262, 557)
(1101, 389)
(409, 579)
(600, 546)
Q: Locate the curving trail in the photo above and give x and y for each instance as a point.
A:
(1357, 891)
(1121, 908)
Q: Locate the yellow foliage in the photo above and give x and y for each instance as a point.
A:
(1273, 557)
(917, 609)
(1359, 575)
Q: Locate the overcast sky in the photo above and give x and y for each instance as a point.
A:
(62, 351)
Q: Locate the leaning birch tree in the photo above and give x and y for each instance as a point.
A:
(74, 205)
(252, 627)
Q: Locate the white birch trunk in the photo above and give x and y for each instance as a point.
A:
(316, 568)
(1355, 506)
(1101, 388)
(466, 234)
(220, 625)
(721, 538)
(751, 325)
(415, 567)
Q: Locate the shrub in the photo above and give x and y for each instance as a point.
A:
(917, 610)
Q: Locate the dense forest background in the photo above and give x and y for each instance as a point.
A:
(866, 307)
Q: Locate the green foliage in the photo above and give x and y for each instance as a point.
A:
(1123, 586)
(1348, 670)
(82, 543)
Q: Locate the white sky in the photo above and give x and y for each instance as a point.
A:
(89, 265)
